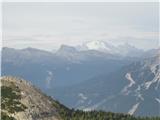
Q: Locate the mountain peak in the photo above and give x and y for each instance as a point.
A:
(98, 45)
(66, 48)
(95, 45)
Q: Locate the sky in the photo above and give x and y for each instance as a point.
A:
(49, 25)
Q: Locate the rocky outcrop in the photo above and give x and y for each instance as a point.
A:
(38, 105)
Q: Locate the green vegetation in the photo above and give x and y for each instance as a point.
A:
(70, 114)
(10, 101)
(4, 116)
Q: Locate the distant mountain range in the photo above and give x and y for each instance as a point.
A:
(122, 49)
(96, 75)
(75, 65)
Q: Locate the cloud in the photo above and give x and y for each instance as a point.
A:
(48, 25)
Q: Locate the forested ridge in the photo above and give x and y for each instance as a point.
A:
(71, 114)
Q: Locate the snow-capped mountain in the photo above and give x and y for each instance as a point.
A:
(78, 54)
(98, 45)
(98, 48)
(102, 46)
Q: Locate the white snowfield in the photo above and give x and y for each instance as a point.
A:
(82, 96)
(133, 109)
(131, 83)
(156, 79)
(158, 100)
(96, 45)
(138, 93)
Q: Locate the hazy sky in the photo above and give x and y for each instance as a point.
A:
(48, 25)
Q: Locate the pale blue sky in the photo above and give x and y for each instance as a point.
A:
(48, 25)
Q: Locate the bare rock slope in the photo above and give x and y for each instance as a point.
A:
(26, 102)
